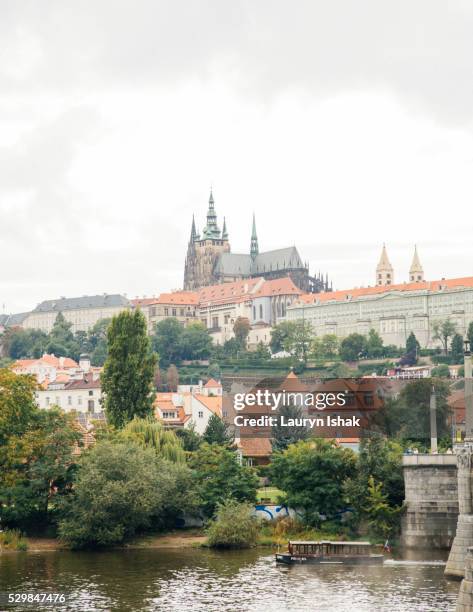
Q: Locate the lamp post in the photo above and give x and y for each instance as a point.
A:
(433, 421)
(468, 394)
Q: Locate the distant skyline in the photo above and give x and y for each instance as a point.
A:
(342, 125)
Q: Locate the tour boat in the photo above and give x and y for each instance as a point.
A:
(329, 553)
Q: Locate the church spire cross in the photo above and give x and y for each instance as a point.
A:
(254, 240)
(224, 230)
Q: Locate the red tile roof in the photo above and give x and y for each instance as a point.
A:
(255, 447)
(211, 383)
(356, 292)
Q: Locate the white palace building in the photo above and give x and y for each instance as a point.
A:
(393, 310)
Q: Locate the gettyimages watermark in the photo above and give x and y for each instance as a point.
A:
(340, 408)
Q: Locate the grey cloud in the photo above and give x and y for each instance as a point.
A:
(421, 50)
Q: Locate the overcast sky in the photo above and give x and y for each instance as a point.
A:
(342, 124)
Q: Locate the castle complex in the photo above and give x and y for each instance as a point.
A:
(209, 260)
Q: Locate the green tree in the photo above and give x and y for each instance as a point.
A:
(441, 371)
(279, 334)
(36, 454)
(150, 433)
(353, 347)
(217, 432)
(218, 475)
(313, 473)
(383, 519)
(234, 526)
(241, 329)
(121, 488)
(195, 342)
(374, 344)
(457, 348)
(298, 341)
(97, 342)
(407, 417)
(380, 459)
(412, 344)
(127, 378)
(214, 371)
(61, 339)
(167, 341)
(172, 378)
(283, 436)
(190, 439)
(329, 345)
(443, 331)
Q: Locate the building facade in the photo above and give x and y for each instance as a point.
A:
(393, 311)
(209, 260)
(182, 305)
(82, 312)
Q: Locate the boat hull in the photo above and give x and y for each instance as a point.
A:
(288, 559)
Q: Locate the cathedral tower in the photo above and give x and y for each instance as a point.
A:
(384, 269)
(204, 250)
(416, 272)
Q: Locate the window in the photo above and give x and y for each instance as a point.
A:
(91, 392)
(201, 414)
(58, 400)
(183, 312)
(69, 400)
(152, 311)
(166, 312)
(261, 311)
(214, 322)
(90, 405)
(254, 312)
(79, 400)
(47, 401)
(226, 319)
(174, 312)
(169, 415)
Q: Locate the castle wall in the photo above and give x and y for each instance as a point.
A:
(431, 501)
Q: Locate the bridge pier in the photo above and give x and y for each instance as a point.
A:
(464, 534)
(431, 501)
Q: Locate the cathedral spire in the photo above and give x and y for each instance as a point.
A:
(193, 232)
(416, 272)
(384, 269)
(211, 229)
(224, 230)
(254, 240)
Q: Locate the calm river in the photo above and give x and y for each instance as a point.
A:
(197, 579)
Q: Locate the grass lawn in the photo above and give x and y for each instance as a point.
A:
(270, 495)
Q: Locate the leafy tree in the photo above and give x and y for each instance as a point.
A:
(97, 342)
(234, 526)
(195, 342)
(36, 449)
(190, 439)
(241, 329)
(121, 488)
(383, 519)
(61, 339)
(217, 432)
(219, 475)
(283, 436)
(374, 344)
(412, 345)
(298, 341)
(353, 347)
(127, 378)
(279, 335)
(329, 345)
(167, 341)
(443, 331)
(231, 348)
(150, 433)
(441, 371)
(380, 459)
(172, 378)
(407, 417)
(24, 343)
(457, 348)
(313, 473)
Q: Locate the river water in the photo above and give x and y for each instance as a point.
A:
(204, 580)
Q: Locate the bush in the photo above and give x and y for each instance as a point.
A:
(235, 526)
(12, 539)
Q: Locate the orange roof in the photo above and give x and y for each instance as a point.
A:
(278, 286)
(356, 292)
(211, 383)
(214, 404)
(255, 447)
(143, 301)
(236, 291)
(190, 298)
(23, 363)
